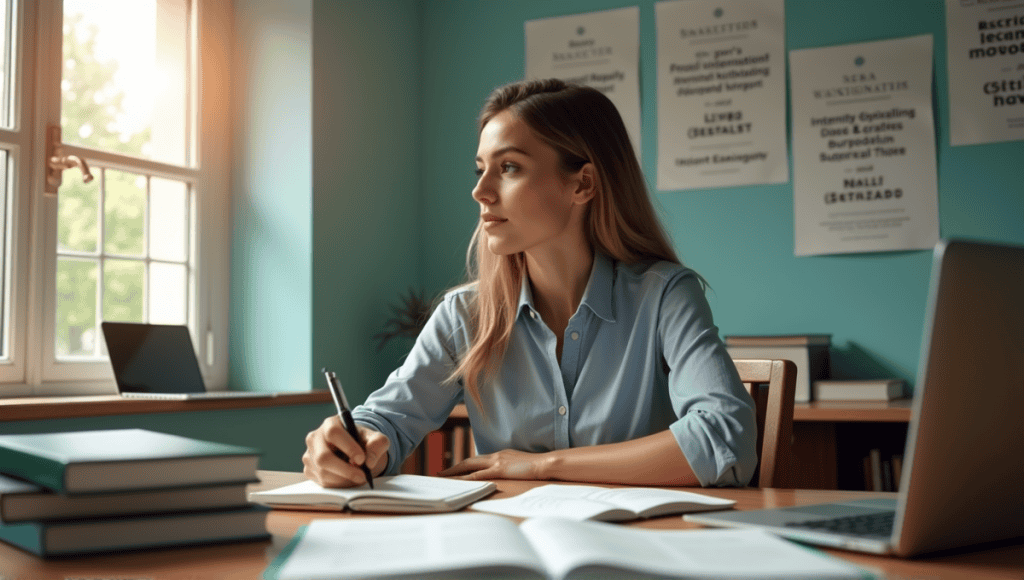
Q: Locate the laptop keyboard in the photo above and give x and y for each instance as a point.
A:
(869, 525)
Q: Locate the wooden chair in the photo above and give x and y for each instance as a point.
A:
(774, 405)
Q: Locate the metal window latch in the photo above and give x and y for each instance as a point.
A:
(57, 162)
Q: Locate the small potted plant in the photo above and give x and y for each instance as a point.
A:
(408, 318)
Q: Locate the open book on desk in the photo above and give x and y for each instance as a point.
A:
(486, 546)
(584, 502)
(397, 493)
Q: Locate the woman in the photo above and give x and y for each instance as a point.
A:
(582, 348)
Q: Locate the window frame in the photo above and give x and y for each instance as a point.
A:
(34, 369)
(19, 143)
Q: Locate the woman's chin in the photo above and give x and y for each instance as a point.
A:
(499, 248)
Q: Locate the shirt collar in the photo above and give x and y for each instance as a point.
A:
(597, 297)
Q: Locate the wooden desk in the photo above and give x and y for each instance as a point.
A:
(246, 561)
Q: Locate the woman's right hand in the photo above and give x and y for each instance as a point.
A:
(334, 459)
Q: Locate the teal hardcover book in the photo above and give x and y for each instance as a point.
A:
(21, 501)
(122, 459)
(85, 536)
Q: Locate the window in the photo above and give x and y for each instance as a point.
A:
(134, 230)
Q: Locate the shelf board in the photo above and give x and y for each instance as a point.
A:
(897, 411)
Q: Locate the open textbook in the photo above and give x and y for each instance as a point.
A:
(485, 546)
(583, 502)
(397, 493)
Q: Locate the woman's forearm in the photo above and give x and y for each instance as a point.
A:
(652, 460)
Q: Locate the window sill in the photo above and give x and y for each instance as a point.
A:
(34, 408)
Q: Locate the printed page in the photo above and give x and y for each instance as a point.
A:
(415, 546)
(576, 502)
(646, 501)
(594, 549)
(583, 502)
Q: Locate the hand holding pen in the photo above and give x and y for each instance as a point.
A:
(345, 415)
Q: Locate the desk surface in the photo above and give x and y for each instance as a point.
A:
(246, 561)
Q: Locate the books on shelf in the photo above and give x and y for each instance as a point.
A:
(858, 390)
(485, 545)
(49, 538)
(122, 459)
(809, 352)
(402, 493)
(23, 501)
(881, 474)
(582, 502)
(122, 489)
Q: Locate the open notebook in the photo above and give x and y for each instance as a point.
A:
(959, 485)
(157, 361)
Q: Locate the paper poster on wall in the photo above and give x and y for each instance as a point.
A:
(597, 49)
(721, 93)
(985, 44)
(864, 173)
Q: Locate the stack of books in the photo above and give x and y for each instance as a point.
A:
(810, 353)
(81, 492)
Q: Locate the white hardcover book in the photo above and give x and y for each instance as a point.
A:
(858, 390)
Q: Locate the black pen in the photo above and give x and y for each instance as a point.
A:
(341, 403)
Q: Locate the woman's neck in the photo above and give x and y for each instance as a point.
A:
(558, 281)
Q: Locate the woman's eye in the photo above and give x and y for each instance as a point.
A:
(509, 167)
(479, 172)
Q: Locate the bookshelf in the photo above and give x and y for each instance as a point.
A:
(831, 439)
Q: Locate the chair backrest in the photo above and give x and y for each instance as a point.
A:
(774, 406)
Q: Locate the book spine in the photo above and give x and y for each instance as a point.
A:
(43, 471)
(875, 456)
(897, 471)
(438, 451)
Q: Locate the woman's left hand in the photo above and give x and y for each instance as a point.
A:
(507, 464)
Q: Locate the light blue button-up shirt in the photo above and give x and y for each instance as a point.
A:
(640, 355)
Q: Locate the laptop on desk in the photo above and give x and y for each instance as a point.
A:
(960, 484)
(156, 361)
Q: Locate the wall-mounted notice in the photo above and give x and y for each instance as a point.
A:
(721, 93)
(597, 49)
(864, 147)
(985, 42)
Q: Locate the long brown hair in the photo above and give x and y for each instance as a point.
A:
(583, 126)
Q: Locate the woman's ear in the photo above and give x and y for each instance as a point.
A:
(586, 184)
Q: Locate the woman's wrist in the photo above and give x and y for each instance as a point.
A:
(551, 465)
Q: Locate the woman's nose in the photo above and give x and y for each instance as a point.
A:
(484, 192)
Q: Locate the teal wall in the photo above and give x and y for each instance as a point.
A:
(740, 238)
(326, 204)
(366, 189)
(272, 174)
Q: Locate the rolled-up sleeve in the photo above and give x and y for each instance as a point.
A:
(716, 429)
(416, 399)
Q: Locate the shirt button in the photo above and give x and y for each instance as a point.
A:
(561, 410)
(575, 335)
(533, 315)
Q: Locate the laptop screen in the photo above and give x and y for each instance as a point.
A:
(152, 358)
